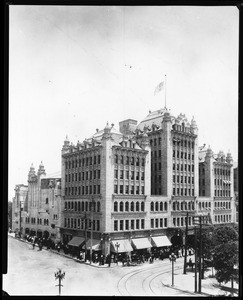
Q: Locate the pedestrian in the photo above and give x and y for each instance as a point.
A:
(33, 245)
(40, 246)
(108, 259)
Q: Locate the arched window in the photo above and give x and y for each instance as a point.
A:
(98, 206)
(86, 206)
(137, 161)
(121, 206)
(199, 205)
(178, 205)
(202, 204)
(127, 206)
(192, 206)
(72, 205)
(165, 206)
(161, 206)
(94, 206)
(68, 205)
(142, 206)
(122, 160)
(229, 205)
(115, 206)
(116, 158)
(137, 206)
(156, 206)
(132, 206)
(152, 206)
(185, 206)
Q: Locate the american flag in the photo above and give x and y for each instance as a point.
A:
(158, 88)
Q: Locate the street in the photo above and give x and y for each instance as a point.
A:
(31, 272)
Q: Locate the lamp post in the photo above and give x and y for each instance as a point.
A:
(60, 276)
(117, 246)
(91, 233)
(172, 258)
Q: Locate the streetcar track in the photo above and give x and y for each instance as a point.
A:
(122, 283)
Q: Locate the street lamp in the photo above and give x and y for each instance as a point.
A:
(59, 275)
(117, 246)
(172, 258)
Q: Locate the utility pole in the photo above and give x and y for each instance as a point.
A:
(200, 255)
(91, 233)
(195, 232)
(185, 249)
(85, 235)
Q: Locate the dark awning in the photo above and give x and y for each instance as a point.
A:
(124, 246)
(141, 243)
(161, 241)
(76, 241)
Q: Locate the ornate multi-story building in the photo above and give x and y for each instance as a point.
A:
(41, 210)
(136, 186)
(19, 202)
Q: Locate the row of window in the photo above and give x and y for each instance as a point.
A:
(91, 160)
(128, 207)
(183, 143)
(129, 160)
(125, 175)
(183, 192)
(158, 223)
(158, 206)
(222, 205)
(183, 206)
(183, 179)
(222, 193)
(218, 171)
(139, 189)
(82, 206)
(184, 167)
(82, 190)
(182, 155)
(155, 142)
(204, 204)
(128, 224)
(81, 224)
(39, 221)
(88, 175)
(181, 221)
(221, 182)
(222, 218)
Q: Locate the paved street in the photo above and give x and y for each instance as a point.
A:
(31, 272)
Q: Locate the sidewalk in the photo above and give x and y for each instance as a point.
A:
(210, 286)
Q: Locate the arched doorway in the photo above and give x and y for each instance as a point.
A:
(27, 231)
(32, 232)
(46, 234)
(39, 233)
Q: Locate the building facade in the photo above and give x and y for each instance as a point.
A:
(141, 182)
(41, 211)
(18, 206)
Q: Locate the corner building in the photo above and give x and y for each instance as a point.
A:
(134, 186)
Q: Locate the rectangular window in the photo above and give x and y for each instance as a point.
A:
(165, 222)
(156, 223)
(127, 189)
(98, 159)
(121, 224)
(152, 223)
(127, 224)
(132, 175)
(115, 225)
(137, 190)
(132, 189)
(142, 190)
(121, 174)
(137, 224)
(98, 174)
(127, 174)
(98, 189)
(132, 224)
(142, 224)
(121, 189)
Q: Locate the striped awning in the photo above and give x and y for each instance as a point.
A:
(76, 241)
(141, 243)
(95, 245)
(121, 246)
(161, 241)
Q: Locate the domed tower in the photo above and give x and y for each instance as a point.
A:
(31, 174)
(41, 170)
(107, 131)
(66, 146)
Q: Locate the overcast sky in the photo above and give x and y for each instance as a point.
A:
(72, 69)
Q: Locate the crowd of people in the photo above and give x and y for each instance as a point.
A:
(133, 258)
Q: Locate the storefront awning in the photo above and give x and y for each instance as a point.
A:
(141, 243)
(95, 245)
(161, 241)
(124, 246)
(76, 241)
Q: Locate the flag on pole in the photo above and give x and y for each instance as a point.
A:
(158, 88)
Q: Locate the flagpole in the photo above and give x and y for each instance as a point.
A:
(165, 91)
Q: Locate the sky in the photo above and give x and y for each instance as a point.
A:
(74, 68)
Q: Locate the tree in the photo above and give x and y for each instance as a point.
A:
(225, 256)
